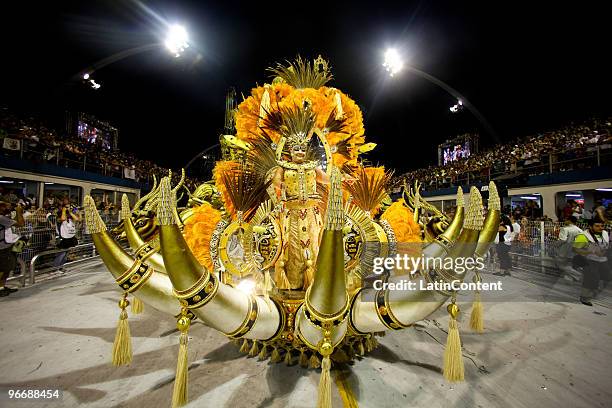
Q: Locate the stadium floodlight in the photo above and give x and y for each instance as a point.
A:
(393, 61)
(176, 39)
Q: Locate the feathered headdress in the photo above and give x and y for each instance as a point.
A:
(294, 124)
(302, 73)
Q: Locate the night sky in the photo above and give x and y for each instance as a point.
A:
(525, 69)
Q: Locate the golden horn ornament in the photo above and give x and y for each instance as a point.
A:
(491, 224)
(219, 306)
(155, 290)
(372, 311)
(487, 236)
(145, 197)
(322, 318)
(440, 246)
(136, 242)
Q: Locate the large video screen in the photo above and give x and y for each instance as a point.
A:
(457, 148)
(95, 135)
(455, 152)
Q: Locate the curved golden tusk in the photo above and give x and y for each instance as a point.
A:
(144, 198)
(379, 310)
(175, 190)
(465, 244)
(218, 305)
(491, 224)
(156, 291)
(180, 183)
(135, 240)
(454, 228)
(327, 299)
(440, 246)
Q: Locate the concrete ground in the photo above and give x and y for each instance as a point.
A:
(59, 334)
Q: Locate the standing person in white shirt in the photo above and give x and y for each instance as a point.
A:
(565, 251)
(67, 217)
(516, 245)
(577, 211)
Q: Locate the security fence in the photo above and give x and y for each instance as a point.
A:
(41, 233)
(537, 244)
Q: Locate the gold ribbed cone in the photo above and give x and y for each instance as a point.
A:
(93, 222)
(183, 268)
(328, 292)
(125, 207)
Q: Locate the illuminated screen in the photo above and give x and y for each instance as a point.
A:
(94, 135)
(455, 152)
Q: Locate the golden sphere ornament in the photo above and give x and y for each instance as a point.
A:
(183, 323)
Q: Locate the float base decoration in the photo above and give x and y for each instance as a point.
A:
(277, 252)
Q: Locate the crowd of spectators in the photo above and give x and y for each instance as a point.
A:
(534, 154)
(33, 140)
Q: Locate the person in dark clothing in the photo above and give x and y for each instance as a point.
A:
(594, 245)
(504, 241)
(8, 257)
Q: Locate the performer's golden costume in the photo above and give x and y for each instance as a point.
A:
(274, 250)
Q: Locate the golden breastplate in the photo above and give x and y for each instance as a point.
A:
(300, 184)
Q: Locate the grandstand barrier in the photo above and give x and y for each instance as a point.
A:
(84, 250)
(536, 247)
(42, 237)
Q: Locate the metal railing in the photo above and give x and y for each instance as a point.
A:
(42, 239)
(537, 244)
(91, 248)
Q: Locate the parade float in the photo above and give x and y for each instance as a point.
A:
(277, 251)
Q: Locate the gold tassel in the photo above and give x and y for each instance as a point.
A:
(282, 282)
(267, 286)
(179, 394)
(308, 274)
(368, 344)
(264, 106)
(303, 359)
(374, 342)
(263, 354)
(476, 318)
(314, 361)
(351, 351)
(324, 400)
(122, 346)
(275, 358)
(254, 349)
(339, 110)
(288, 358)
(453, 359)
(137, 305)
(245, 347)
(360, 348)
